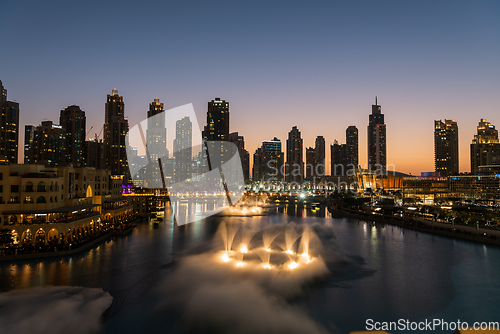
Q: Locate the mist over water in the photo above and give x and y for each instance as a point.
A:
(375, 271)
(53, 309)
(229, 289)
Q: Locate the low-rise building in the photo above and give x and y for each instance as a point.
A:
(42, 204)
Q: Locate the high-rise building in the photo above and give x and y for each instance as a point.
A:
(9, 128)
(156, 139)
(485, 147)
(338, 156)
(217, 128)
(271, 160)
(94, 151)
(315, 161)
(73, 121)
(377, 155)
(218, 120)
(344, 157)
(446, 147)
(319, 158)
(257, 163)
(29, 133)
(239, 141)
(294, 157)
(115, 130)
(351, 136)
(183, 150)
(310, 163)
(49, 145)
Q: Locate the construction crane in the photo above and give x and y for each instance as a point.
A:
(86, 136)
(98, 135)
(100, 132)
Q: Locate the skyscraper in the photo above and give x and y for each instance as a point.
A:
(239, 141)
(156, 139)
(338, 153)
(217, 128)
(344, 157)
(183, 150)
(485, 147)
(310, 163)
(218, 120)
(73, 121)
(257, 164)
(271, 160)
(446, 147)
(29, 132)
(94, 153)
(319, 157)
(315, 161)
(9, 128)
(294, 157)
(351, 136)
(49, 145)
(115, 130)
(377, 156)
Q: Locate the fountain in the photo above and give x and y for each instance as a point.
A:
(256, 247)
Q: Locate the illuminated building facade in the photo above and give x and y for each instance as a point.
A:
(59, 205)
(156, 139)
(217, 128)
(485, 147)
(351, 136)
(29, 133)
(446, 147)
(115, 130)
(49, 145)
(271, 160)
(9, 128)
(377, 153)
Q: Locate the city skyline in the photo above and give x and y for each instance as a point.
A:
(90, 137)
(446, 68)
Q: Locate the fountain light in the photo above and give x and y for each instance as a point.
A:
(244, 249)
(306, 257)
(268, 250)
(293, 265)
(225, 257)
(266, 266)
(289, 252)
(240, 264)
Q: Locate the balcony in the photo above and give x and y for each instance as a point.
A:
(64, 220)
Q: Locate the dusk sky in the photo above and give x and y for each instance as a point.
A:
(317, 65)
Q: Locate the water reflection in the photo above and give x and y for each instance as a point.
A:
(399, 276)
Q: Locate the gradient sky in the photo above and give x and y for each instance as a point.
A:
(317, 65)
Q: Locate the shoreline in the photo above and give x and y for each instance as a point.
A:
(63, 253)
(484, 236)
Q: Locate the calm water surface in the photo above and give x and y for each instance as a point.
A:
(401, 274)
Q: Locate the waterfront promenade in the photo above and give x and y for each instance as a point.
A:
(471, 233)
(59, 250)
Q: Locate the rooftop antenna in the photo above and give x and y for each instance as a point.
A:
(376, 101)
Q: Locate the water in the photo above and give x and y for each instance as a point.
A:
(401, 274)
